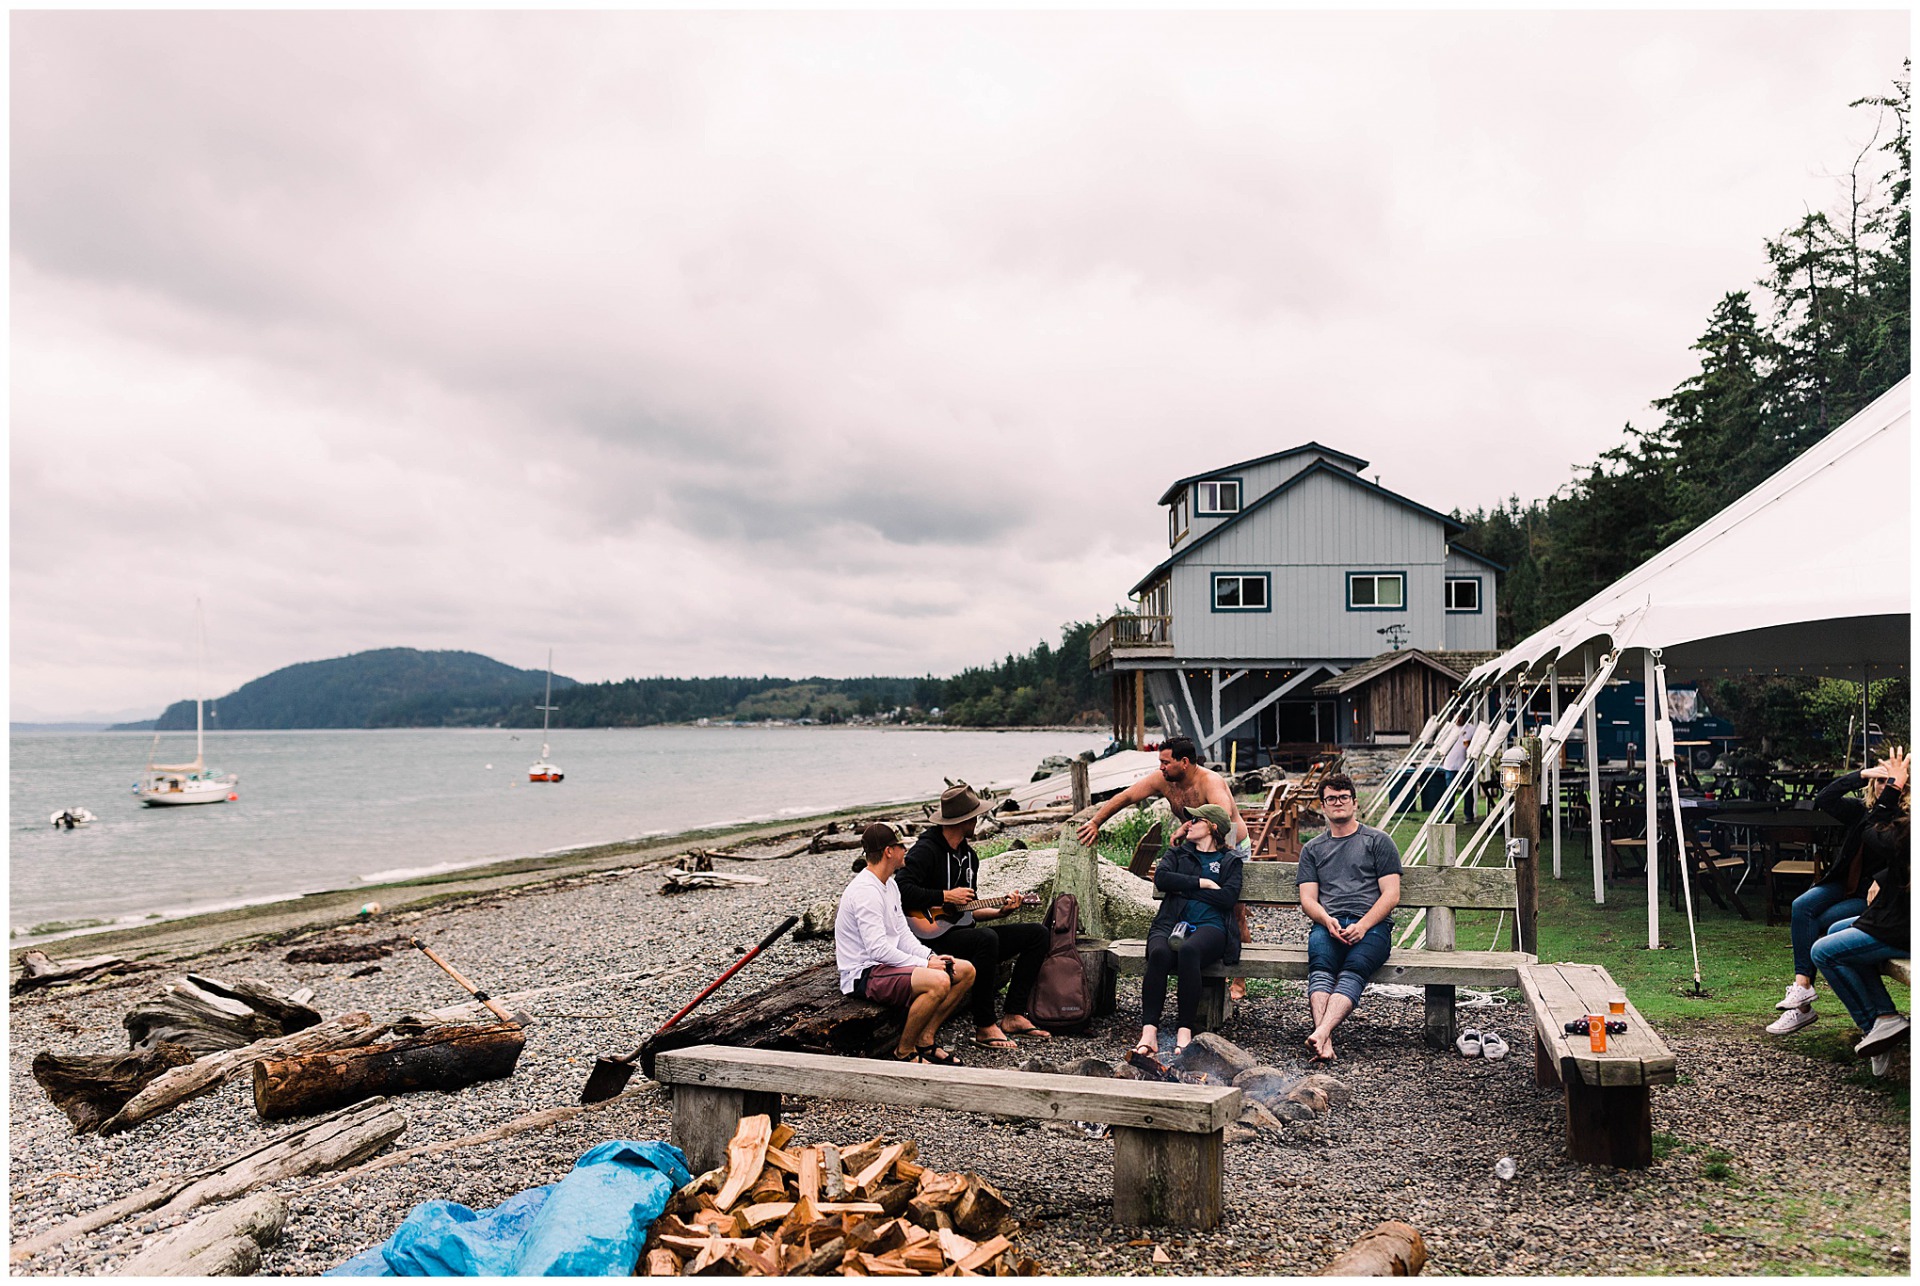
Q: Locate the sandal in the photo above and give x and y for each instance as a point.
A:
(990, 1042)
(934, 1054)
(912, 1056)
(1027, 1033)
(1145, 1050)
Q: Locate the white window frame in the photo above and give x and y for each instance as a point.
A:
(1452, 582)
(1263, 579)
(1208, 500)
(1374, 578)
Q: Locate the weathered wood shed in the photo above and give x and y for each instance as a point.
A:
(1387, 699)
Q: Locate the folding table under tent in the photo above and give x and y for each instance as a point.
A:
(1806, 574)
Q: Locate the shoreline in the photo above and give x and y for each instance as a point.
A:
(193, 934)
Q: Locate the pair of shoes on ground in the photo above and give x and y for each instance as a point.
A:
(1793, 1020)
(1797, 997)
(1888, 1031)
(1479, 1044)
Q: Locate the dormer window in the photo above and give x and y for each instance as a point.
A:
(1176, 521)
(1220, 496)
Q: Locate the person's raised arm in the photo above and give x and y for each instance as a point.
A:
(1146, 788)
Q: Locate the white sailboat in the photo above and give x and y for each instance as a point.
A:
(544, 771)
(170, 785)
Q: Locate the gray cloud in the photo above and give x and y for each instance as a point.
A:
(697, 343)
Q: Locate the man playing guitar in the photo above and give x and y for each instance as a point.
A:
(940, 875)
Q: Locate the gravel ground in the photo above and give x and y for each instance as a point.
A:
(1731, 1193)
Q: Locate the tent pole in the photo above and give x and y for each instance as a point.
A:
(1866, 692)
(1593, 787)
(1553, 768)
(1652, 760)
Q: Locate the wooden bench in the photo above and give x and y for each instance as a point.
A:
(1900, 969)
(1440, 890)
(1168, 1140)
(1609, 1112)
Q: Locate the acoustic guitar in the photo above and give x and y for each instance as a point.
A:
(928, 925)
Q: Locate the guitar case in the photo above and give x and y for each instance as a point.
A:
(1062, 999)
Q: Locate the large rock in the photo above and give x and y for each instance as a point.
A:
(1267, 1085)
(1126, 902)
(1338, 1093)
(817, 921)
(1217, 1058)
(1021, 870)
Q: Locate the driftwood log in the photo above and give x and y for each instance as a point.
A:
(1394, 1249)
(226, 1243)
(177, 1086)
(208, 1016)
(446, 1058)
(331, 1143)
(38, 969)
(89, 1088)
(803, 1011)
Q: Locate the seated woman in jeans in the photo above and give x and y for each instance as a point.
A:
(1349, 884)
(1200, 876)
(1851, 953)
(1840, 894)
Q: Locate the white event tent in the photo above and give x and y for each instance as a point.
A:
(1808, 573)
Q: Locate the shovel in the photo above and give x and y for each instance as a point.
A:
(518, 1020)
(610, 1075)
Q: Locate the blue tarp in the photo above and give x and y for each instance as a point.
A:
(590, 1224)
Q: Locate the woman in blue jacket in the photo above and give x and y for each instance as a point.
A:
(1196, 926)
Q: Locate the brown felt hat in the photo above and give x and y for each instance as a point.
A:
(957, 804)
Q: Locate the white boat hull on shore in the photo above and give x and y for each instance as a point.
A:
(1104, 777)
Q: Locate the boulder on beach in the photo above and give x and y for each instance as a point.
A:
(1127, 907)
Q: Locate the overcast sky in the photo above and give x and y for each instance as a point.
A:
(774, 343)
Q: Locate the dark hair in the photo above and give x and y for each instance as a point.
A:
(1338, 781)
(1180, 748)
(877, 839)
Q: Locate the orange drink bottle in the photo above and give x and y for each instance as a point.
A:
(1597, 1033)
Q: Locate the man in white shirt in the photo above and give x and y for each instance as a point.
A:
(880, 959)
(1454, 742)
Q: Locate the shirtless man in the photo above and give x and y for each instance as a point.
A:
(1183, 783)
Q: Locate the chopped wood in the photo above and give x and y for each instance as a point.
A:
(766, 1212)
(833, 1178)
(981, 1210)
(826, 1255)
(782, 1135)
(954, 1246)
(871, 1174)
(810, 1175)
(782, 1159)
(896, 1199)
(746, 1154)
(662, 1262)
(985, 1252)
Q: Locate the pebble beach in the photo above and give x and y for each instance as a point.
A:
(1417, 1142)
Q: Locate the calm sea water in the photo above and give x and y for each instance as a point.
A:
(332, 809)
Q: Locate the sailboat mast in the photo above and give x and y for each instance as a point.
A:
(200, 692)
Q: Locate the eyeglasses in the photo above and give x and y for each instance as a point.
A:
(1336, 799)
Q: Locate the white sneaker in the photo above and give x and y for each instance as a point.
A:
(1469, 1043)
(1880, 1063)
(1493, 1045)
(1886, 1031)
(1793, 1020)
(1796, 996)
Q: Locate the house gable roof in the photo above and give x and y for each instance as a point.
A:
(1372, 669)
(1476, 556)
(1176, 488)
(1452, 525)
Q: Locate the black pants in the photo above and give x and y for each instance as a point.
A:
(986, 945)
(1204, 946)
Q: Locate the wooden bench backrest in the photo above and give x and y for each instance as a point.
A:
(1488, 888)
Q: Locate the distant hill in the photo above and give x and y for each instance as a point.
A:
(396, 687)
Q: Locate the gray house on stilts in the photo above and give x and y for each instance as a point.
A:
(1283, 572)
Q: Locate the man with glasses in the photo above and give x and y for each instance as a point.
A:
(1349, 885)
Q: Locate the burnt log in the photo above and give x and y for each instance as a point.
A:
(446, 1058)
(89, 1088)
(803, 1011)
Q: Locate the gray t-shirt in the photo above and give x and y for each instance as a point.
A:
(1348, 870)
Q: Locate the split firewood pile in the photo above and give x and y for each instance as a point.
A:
(866, 1211)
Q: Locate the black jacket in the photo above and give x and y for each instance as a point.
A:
(1852, 870)
(1178, 876)
(932, 868)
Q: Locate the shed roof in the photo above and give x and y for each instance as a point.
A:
(1373, 667)
(1175, 488)
(1320, 467)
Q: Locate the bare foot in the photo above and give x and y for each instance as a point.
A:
(1237, 990)
(1019, 1025)
(1321, 1043)
(993, 1038)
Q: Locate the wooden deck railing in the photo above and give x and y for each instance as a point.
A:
(1128, 630)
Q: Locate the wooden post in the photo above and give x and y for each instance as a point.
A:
(1526, 866)
(1082, 791)
(1079, 875)
(1441, 1020)
(1167, 1178)
(1139, 709)
(1545, 1074)
(1609, 1124)
(1211, 1013)
(705, 1121)
(1102, 977)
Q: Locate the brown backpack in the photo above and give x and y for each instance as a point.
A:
(1061, 999)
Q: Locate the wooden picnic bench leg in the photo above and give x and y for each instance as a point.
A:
(1441, 1020)
(1167, 1178)
(1545, 1074)
(705, 1118)
(1211, 1013)
(1609, 1124)
(1102, 977)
